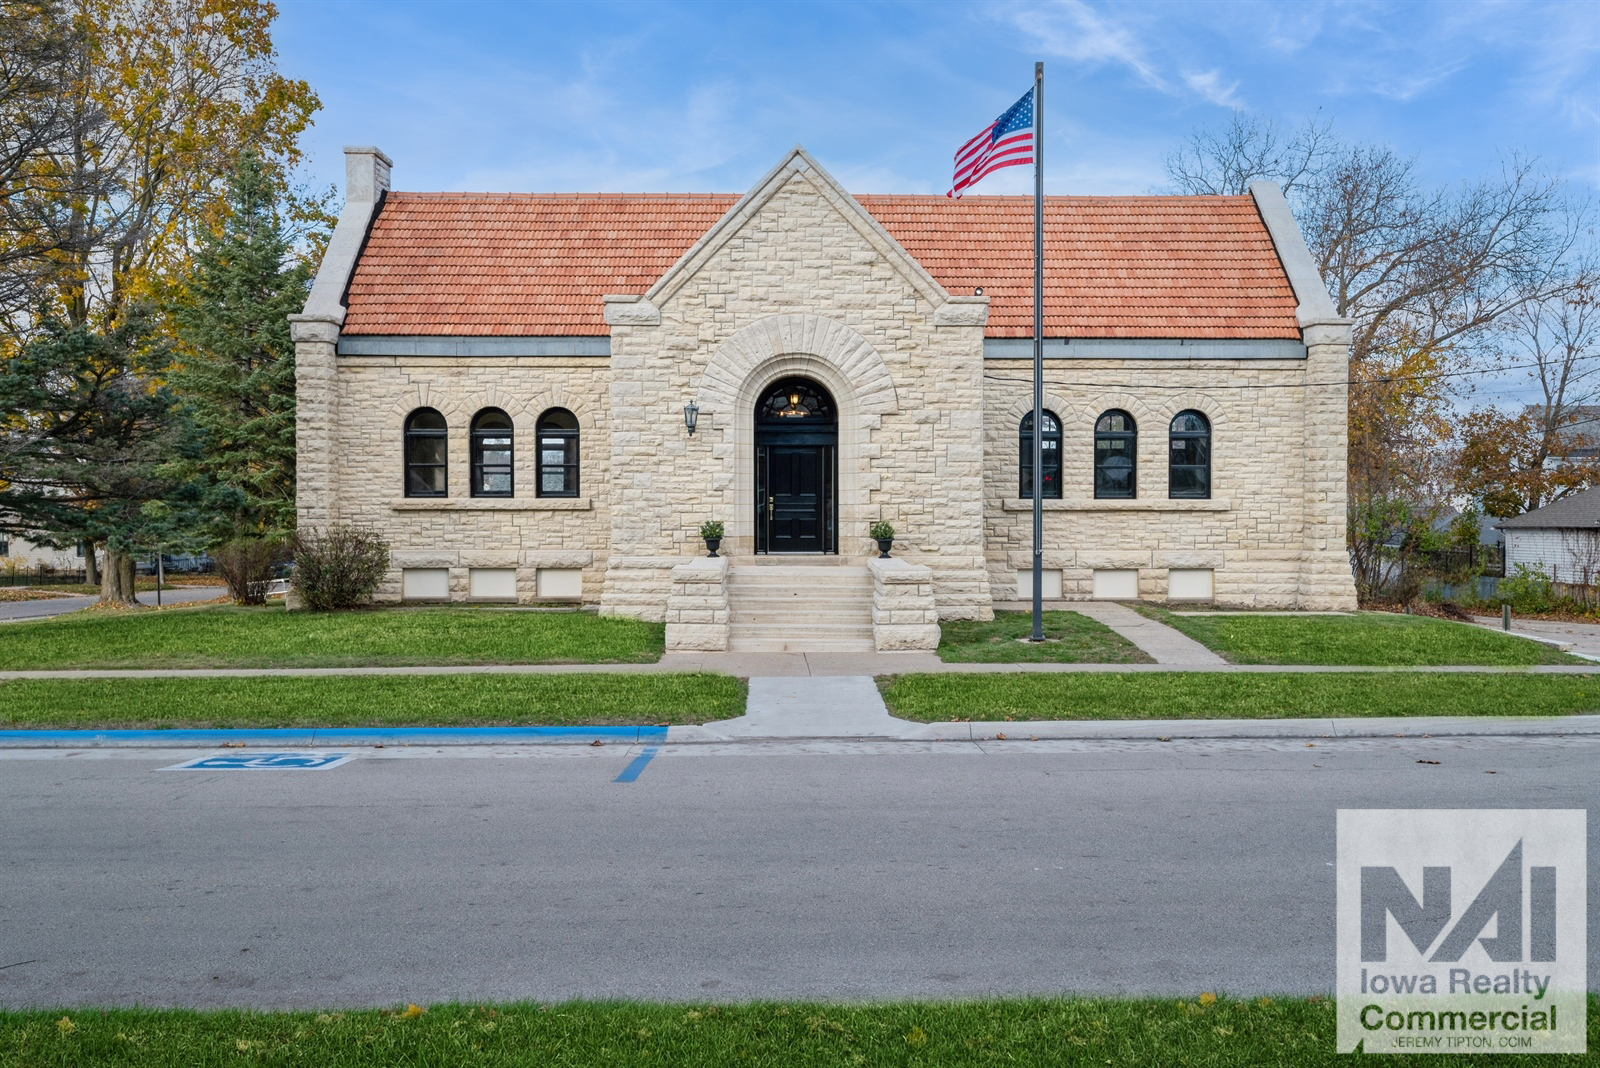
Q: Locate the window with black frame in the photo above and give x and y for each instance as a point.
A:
(1189, 457)
(1050, 456)
(557, 433)
(425, 454)
(1116, 449)
(491, 453)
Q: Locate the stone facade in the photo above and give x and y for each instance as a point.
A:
(798, 279)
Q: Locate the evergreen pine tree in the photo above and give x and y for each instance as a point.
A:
(87, 449)
(236, 369)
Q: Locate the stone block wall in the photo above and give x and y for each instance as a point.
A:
(363, 463)
(1272, 531)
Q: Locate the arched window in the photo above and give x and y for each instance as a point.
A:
(558, 453)
(1189, 456)
(491, 454)
(1116, 441)
(425, 454)
(1049, 452)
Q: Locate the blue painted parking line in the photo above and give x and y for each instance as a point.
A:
(310, 737)
(264, 762)
(631, 772)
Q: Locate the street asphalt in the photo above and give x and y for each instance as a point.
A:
(724, 871)
(59, 606)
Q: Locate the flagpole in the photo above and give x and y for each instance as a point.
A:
(1038, 353)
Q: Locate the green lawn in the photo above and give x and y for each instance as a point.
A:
(371, 700)
(226, 636)
(1046, 1031)
(1204, 695)
(1378, 639)
(1072, 639)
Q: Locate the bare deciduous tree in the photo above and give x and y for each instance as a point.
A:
(1224, 162)
(1425, 274)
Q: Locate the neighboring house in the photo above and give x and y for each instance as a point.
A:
(542, 396)
(1578, 442)
(16, 552)
(1563, 538)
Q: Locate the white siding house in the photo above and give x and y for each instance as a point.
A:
(1562, 539)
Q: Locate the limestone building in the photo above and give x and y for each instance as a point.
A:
(541, 397)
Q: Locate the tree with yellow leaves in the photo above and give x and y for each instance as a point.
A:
(152, 105)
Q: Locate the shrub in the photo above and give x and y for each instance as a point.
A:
(246, 565)
(711, 528)
(881, 531)
(1529, 589)
(339, 567)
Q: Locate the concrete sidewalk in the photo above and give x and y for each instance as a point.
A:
(1164, 644)
(796, 665)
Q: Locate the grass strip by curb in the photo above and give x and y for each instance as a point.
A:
(371, 701)
(227, 636)
(1071, 639)
(1194, 695)
(1375, 639)
(1217, 1033)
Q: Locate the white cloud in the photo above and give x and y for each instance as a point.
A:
(1072, 30)
(1208, 84)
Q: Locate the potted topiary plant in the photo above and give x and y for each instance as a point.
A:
(711, 531)
(883, 534)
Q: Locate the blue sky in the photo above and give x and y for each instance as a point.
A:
(706, 96)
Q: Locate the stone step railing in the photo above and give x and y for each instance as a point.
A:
(697, 606)
(904, 615)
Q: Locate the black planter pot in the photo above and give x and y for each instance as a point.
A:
(883, 547)
(711, 544)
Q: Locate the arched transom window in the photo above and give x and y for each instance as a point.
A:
(1189, 456)
(1049, 452)
(1116, 442)
(491, 454)
(558, 453)
(425, 454)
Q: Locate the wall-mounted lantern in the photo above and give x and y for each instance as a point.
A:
(691, 416)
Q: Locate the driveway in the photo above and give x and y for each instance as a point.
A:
(1585, 637)
(57, 606)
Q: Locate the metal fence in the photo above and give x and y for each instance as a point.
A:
(41, 576)
(1486, 560)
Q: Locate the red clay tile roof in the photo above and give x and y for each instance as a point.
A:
(532, 264)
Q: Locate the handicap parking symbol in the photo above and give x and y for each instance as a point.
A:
(264, 762)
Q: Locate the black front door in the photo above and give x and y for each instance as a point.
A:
(796, 486)
(797, 441)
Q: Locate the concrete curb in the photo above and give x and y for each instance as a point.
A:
(331, 736)
(1176, 729)
(904, 730)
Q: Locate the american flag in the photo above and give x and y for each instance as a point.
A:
(1008, 142)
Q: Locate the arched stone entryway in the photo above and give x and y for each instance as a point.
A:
(750, 363)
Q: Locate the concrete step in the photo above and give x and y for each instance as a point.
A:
(842, 600)
(786, 560)
(769, 576)
(800, 638)
(740, 614)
